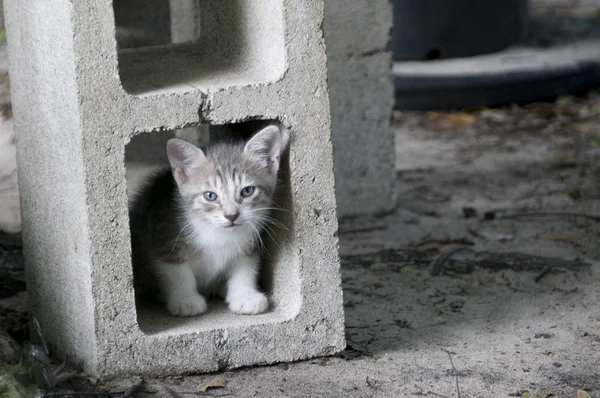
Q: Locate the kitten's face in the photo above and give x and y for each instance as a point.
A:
(229, 196)
(230, 186)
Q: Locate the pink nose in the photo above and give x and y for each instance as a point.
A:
(232, 217)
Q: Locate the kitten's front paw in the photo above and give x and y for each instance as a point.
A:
(249, 304)
(186, 306)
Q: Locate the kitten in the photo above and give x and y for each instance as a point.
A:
(195, 229)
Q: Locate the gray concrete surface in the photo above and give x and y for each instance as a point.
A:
(473, 331)
(362, 99)
(481, 328)
(77, 103)
(529, 177)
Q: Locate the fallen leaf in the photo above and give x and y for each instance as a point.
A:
(583, 394)
(565, 101)
(452, 120)
(586, 127)
(495, 115)
(590, 12)
(541, 394)
(562, 238)
(562, 156)
(217, 382)
(373, 383)
(397, 115)
(493, 236)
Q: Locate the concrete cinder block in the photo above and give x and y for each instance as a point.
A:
(78, 102)
(362, 99)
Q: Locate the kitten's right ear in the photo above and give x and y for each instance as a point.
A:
(266, 145)
(184, 158)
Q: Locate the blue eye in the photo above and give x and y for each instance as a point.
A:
(210, 196)
(247, 191)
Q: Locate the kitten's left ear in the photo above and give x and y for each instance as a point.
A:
(267, 145)
(184, 158)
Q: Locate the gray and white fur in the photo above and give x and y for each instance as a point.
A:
(196, 228)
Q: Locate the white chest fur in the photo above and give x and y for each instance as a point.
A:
(215, 250)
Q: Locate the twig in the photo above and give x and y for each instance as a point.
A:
(544, 272)
(455, 371)
(89, 394)
(365, 292)
(548, 214)
(180, 394)
(438, 263)
(38, 330)
(372, 383)
(367, 228)
(369, 326)
(173, 393)
(435, 394)
(61, 378)
(133, 389)
(428, 240)
(58, 370)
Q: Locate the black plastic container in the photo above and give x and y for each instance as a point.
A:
(435, 29)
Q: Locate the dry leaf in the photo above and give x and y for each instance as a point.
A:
(495, 115)
(586, 127)
(565, 101)
(494, 236)
(452, 120)
(217, 382)
(589, 12)
(583, 394)
(562, 157)
(397, 115)
(562, 238)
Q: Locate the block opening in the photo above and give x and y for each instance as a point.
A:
(198, 44)
(142, 23)
(279, 276)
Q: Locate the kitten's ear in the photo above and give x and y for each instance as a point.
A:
(267, 145)
(184, 158)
